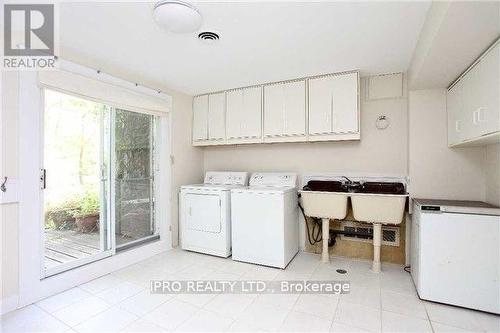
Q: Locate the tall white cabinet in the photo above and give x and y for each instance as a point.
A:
(333, 107)
(285, 111)
(473, 103)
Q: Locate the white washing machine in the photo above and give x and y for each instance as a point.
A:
(205, 213)
(265, 221)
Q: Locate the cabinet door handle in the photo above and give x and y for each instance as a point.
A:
(457, 125)
(474, 117)
(480, 115)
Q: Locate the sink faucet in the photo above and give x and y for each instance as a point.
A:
(348, 180)
(351, 186)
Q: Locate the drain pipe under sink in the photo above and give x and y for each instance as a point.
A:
(377, 242)
(325, 230)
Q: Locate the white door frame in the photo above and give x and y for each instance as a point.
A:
(31, 285)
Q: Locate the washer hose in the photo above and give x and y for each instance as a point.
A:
(316, 229)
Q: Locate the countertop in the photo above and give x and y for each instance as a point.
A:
(460, 206)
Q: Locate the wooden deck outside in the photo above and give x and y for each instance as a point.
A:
(62, 246)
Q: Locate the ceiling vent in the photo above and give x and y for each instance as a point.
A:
(208, 36)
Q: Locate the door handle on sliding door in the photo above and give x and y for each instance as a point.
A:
(43, 179)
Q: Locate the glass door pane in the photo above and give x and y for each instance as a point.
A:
(133, 177)
(76, 182)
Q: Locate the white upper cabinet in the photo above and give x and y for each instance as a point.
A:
(244, 114)
(473, 103)
(200, 118)
(234, 106)
(345, 103)
(333, 105)
(285, 109)
(320, 105)
(488, 112)
(216, 116)
(322, 108)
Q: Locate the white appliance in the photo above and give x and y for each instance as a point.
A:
(455, 256)
(265, 220)
(205, 213)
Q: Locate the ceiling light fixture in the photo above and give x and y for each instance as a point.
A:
(177, 16)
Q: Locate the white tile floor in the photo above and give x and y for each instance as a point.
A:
(121, 302)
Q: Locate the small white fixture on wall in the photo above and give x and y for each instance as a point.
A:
(177, 16)
(382, 122)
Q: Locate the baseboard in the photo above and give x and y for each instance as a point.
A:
(8, 304)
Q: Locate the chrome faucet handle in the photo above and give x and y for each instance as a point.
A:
(348, 180)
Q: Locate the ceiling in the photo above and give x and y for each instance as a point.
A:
(455, 35)
(260, 41)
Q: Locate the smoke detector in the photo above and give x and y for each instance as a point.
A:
(177, 16)
(208, 36)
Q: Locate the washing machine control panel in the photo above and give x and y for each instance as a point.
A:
(226, 178)
(273, 179)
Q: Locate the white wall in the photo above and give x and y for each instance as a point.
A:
(188, 160)
(382, 152)
(492, 170)
(435, 170)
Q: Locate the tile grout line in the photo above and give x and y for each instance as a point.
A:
(71, 327)
(381, 310)
(335, 312)
(64, 307)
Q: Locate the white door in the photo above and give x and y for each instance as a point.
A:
(216, 108)
(234, 110)
(200, 118)
(345, 103)
(251, 118)
(488, 112)
(470, 92)
(274, 118)
(320, 105)
(294, 104)
(203, 212)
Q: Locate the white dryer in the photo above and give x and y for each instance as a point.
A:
(265, 221)
(205, 213)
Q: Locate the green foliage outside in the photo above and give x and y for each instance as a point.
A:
(89, 205)
(63, 214)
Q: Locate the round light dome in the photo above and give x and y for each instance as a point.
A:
(177, 16)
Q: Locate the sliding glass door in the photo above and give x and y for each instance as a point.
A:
(97, 181)
(133, 177)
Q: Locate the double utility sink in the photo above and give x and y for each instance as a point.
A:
(372, 202)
